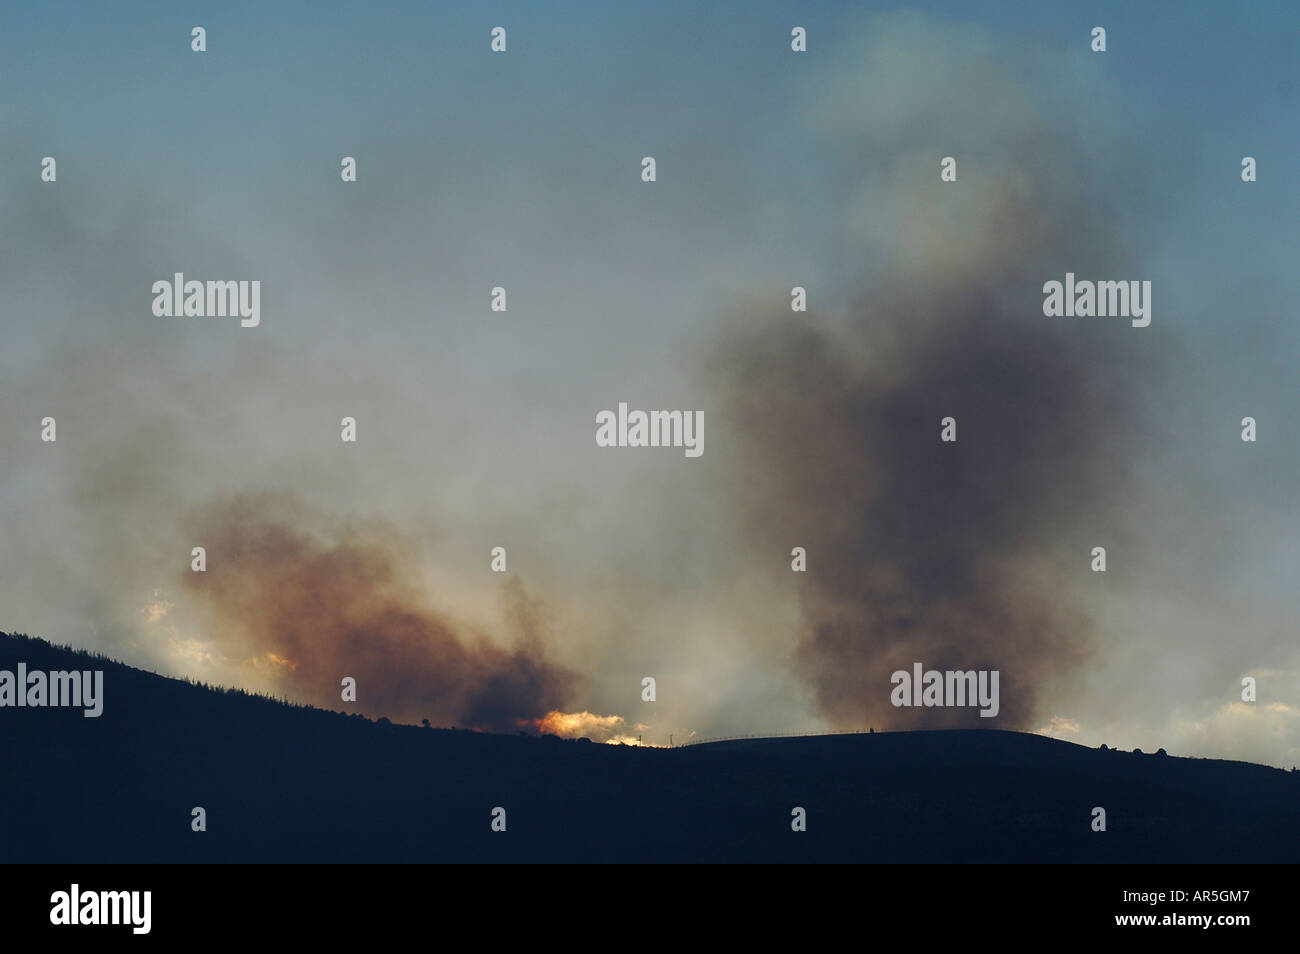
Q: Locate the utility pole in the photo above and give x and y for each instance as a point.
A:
(670, 740)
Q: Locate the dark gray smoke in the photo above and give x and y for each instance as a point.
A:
(966, 555)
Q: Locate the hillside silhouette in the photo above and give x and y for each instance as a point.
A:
(289, 783)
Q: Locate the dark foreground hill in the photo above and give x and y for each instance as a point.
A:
(285, 783)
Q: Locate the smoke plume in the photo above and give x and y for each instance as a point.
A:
(320, 604)
(957, 555)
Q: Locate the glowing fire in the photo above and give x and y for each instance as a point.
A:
(612, 729)
(270, 662)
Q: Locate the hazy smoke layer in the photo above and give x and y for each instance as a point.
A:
(955, 555)
(333, 601)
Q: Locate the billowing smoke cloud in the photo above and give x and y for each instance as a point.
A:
(317, 600)
(955, 555)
